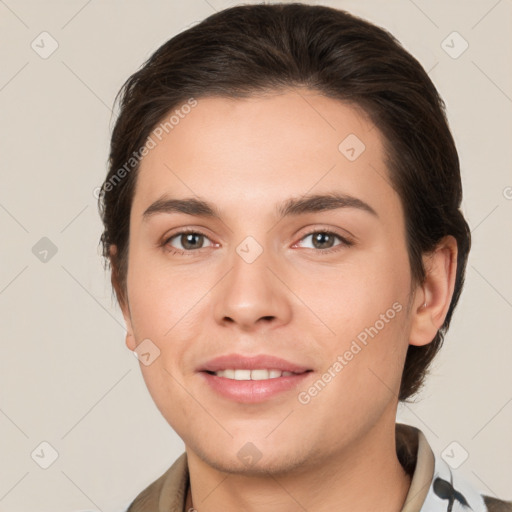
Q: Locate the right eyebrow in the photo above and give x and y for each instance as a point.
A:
(189, 206)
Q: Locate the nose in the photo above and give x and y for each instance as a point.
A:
(253, 294)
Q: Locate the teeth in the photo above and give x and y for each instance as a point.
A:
(259, 374)
(242, 375)
(262, 374)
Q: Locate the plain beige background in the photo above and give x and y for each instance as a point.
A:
(66, 376)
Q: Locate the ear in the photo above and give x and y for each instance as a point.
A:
(122, 298)
(436, 292)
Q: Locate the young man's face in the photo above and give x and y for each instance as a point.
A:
(258, 284)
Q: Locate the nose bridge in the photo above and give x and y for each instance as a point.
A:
(250, 291)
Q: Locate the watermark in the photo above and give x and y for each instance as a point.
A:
(304, 397)
(249, 454)
(151, 142)
(44, 45)
(351, 147)
(455, 455)
(146, 352)
(454, 45)
(249, 249)
(44, 249)
(44, 455)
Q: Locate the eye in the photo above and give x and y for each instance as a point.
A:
(189, 240)
(324, 239)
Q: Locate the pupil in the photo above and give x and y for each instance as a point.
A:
(188, 238)
(321, 238)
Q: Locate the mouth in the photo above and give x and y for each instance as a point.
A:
(252, 379)
(257, 374)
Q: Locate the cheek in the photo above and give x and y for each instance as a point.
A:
(353, 296)
(168, 307)
(159, 297)
(364, 307)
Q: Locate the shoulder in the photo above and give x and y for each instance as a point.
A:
(168, 490)
(448, 487)
(496, 505)
(149, 497)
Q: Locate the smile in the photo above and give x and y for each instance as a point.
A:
(259, 374)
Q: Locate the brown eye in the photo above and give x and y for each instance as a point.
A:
(186, 241)
(191, 240)
(323, 240)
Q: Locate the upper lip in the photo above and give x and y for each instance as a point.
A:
(262, 361)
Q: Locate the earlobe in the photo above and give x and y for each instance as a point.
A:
(434, 296)
(130, 338)
(130, 341)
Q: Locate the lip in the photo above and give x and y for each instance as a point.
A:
(239, 361)
(252, 391)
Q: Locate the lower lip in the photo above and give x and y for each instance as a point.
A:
(253, 391)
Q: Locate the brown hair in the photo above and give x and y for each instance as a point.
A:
(251, 49)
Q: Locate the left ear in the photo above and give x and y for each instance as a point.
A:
(436, 292)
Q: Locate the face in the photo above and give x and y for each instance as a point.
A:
(265, 272)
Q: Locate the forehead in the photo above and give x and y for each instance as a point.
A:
(264, 149)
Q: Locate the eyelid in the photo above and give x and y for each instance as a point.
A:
(334, 230)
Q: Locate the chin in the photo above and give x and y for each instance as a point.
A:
(252, 459)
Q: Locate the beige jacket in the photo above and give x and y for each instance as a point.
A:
(434, 486)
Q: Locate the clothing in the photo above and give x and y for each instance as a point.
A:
(435, 487)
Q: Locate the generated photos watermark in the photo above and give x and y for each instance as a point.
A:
(151, 142)
(361, 341)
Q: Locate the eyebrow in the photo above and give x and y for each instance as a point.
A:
(294, 206)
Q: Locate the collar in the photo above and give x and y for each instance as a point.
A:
(434, 486)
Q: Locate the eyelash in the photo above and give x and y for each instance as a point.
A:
(344, 241)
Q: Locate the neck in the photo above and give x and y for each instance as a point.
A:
(366, 476)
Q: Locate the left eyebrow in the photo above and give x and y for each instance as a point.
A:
(291, 207)
(322, 202)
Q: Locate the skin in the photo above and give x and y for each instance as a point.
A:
(247, 156)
